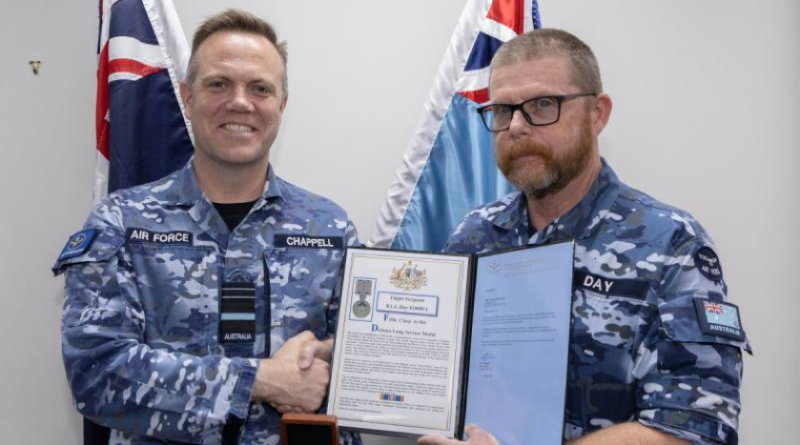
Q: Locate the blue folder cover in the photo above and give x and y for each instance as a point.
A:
(516, 381)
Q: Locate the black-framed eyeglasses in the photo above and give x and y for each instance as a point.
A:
(539, 111)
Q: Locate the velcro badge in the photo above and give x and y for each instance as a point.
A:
(610, 286)
(719, 318)
(238, 313)
(78, 244)
(708, 264)
(143, 236)
(313, 242)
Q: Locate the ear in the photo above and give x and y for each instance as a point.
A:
(284, 101)
(186, 98)
(601, 113)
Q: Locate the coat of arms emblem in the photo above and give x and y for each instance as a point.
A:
(408, 277)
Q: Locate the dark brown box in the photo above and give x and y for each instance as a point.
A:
(309, 429)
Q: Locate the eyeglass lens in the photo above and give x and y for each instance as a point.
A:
(540, 110)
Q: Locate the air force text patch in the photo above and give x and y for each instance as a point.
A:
(313, 242)
(143, 236)
(78, 244)
(718, 318)
(610, 286)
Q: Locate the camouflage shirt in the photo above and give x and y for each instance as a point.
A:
(144, 312)
(653, 338)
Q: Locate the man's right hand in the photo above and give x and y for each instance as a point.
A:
(282, 383)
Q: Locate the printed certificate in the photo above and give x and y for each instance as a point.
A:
(400, 341)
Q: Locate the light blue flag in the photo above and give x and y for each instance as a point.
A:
(449, 166)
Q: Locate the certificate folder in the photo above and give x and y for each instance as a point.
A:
(428, 342)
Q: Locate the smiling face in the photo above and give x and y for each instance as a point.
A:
(542, 160)
(236, 102)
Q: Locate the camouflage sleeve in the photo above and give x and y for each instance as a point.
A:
(351, 239)
(120, 381)
(688, 374)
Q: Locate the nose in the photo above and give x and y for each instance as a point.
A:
(239, 100)
(519, 126)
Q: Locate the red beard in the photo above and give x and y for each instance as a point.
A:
(557, 171)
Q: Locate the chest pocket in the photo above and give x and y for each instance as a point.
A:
(610, 311)
(302, 284)
(172, 281)
(611, 317)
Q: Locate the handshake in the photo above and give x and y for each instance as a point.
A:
(295, 379)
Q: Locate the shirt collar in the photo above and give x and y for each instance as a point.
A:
(579, 222)
(583, 219)
(514, 213)
(182, 188)
(274, 188)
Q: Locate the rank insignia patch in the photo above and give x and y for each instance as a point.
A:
(78, 244)
(719, 318)
(238, 313)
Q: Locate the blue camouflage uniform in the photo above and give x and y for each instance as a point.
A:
(653, 338)
(141, 321)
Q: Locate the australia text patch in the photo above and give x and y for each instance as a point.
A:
(313, 242)
(78, 244)
(134, 235)
(719, 318)
(610, 286)
(707, 263)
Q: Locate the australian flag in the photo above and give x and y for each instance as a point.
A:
(142, 133)
(449, 166)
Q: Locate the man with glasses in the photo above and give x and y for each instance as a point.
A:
(655, 353)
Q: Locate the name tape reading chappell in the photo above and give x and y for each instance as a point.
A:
(313, 242)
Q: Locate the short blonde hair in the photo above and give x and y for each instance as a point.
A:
(236, 20)
(548, 42)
